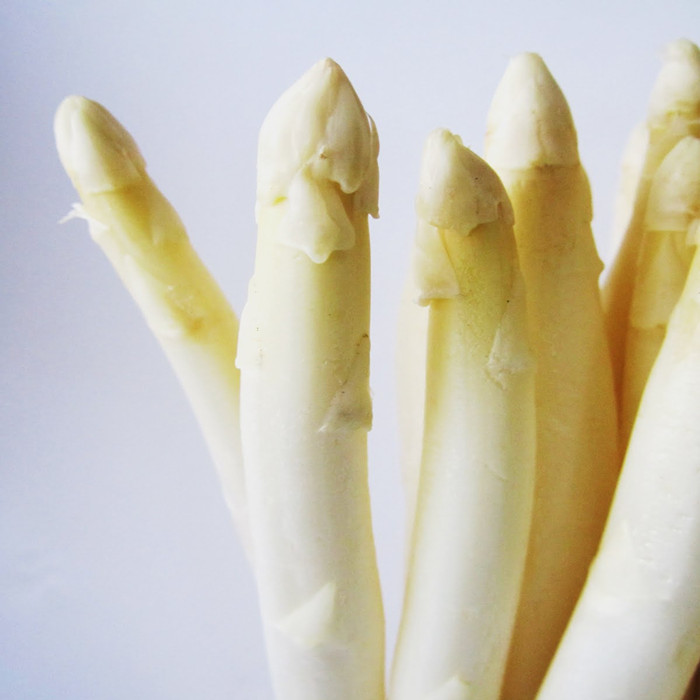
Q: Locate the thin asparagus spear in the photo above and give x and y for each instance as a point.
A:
(476, 481)
(674, 112)
(410, 391)
(631, 169)
(665, 254)
(531, 143)
(305, 403)
(635, 632)
(144, 239)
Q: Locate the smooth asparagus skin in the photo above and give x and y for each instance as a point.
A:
(411, 357)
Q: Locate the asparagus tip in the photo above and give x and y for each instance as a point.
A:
(318, 127)
(317, 162)
(529, 122)
(677, 87)
(96, 151)
(457, 189)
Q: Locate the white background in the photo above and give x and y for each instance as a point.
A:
(120, 575)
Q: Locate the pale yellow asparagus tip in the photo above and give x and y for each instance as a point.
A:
(676, 92)
(96, 151)
(529, 123)
(317, 139)
(449, 168)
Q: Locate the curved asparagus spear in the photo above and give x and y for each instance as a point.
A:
(144, 239)
(665, 254)
(531, 143)
(674, 112)
(476, 481)
(305, 403)
(636, 629)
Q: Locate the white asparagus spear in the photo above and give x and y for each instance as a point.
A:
(144, 239)
(674, 112)
(476, 482)
(531, 143)
(665, 255)
(635, 632)
(305, 403)
(410, 392)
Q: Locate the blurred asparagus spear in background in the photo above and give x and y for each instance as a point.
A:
(305, 402)
(665, 252)
(475, 489)
(631, 168)
(531, 142)
(145, 241)
(674, 112)
(411, 357)
(636, 629)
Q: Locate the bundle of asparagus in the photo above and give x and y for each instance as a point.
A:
(521, 390)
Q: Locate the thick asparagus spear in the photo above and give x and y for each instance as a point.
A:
(145, 241)
(531, 143)
(305, 403)
(475, 488)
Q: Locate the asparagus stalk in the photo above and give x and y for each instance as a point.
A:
(144, 239)
(532, 144)
(636, 629)
(631, 169)
(476, 480)
(305, 403)
(665, 254)
(674, 112)
(410, 364)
